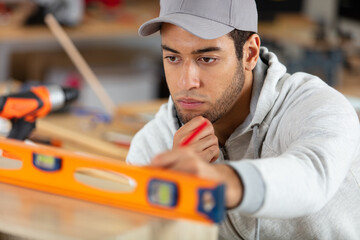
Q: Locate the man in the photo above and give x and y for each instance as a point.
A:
(286, 146)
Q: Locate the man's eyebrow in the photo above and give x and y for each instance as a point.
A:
(169, 49)
(199, 51)
(205, 50)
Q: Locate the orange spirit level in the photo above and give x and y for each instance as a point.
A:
(107, 181)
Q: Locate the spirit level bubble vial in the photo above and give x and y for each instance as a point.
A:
(46, 162)
(162, 193)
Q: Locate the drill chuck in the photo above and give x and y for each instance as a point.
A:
(60, 96)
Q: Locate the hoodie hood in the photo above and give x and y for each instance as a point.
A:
(271, 74)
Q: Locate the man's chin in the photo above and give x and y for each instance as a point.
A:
(184, 118)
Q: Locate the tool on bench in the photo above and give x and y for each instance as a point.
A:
(22, 109)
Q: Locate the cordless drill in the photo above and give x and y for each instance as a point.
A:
(22, 109)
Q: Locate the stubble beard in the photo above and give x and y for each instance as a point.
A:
(223, 104)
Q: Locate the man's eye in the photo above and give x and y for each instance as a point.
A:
(172, 59)
(207, 59)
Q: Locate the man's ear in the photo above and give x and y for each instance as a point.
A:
(251, 52)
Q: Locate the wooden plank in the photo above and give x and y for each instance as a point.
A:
(36, 215)
(80, 63)
(69, 129)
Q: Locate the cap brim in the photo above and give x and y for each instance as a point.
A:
(198, 26)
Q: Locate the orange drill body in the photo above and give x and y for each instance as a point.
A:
(30, 106)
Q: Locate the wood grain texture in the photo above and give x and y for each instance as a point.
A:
(31, 214)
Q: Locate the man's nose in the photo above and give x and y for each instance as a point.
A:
(189, 76)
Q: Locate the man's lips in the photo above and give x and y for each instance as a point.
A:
(189, 103)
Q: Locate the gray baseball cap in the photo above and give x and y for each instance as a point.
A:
(207, 19)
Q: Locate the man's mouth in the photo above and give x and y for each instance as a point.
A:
(189, 103)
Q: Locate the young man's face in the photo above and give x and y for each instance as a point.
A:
(204, 76)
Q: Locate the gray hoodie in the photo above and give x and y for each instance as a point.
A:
(297, 154)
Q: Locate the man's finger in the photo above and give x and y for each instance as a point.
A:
(206, 142)
(164, 160)
(184, 132)
(185, 165)
(210, 153)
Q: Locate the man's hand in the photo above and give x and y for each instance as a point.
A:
(205, 144)
(188, 161)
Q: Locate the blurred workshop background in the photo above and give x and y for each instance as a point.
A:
(320, 37)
